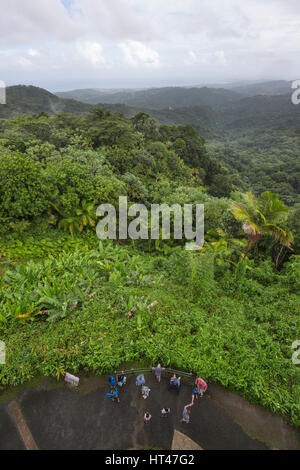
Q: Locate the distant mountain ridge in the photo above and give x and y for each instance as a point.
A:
(23, 99)
(27, 100)
(157, 98)
(228, 110)
(272, 88)
(92, 95)
(261, 112)
(176, 97)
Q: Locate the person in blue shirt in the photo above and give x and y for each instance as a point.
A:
(175, 382)
(195, 393)
(111, 381)
(114, 395)
(140, 380)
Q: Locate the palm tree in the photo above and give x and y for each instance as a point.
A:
(85, 214)
(263, 217)
(80, 218)
(223, 245)
(71, 224)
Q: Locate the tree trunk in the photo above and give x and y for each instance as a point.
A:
(250, 244)
(278, 257)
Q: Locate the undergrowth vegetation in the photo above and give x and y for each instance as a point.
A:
(119, 306)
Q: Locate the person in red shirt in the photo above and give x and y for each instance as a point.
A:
(201, 386)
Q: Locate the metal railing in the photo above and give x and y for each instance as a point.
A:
(150, 370)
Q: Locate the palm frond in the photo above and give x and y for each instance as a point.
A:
(239, 212)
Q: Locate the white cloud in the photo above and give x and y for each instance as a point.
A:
(136, 53)
(31, 20)
(93, 52)
(216, 57)
(114, 19)
(24, 62)
(220, 57)
(33, 52)
(192, 40)
(192, 58)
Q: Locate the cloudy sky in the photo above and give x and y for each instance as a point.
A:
(65, 44)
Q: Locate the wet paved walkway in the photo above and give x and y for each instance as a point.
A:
(9, 436)
(84, 418)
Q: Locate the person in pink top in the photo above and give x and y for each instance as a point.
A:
(201, 386)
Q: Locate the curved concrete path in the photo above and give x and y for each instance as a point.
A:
(64, 418)
(10, 438)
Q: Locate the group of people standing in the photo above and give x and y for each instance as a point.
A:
(114, 383)
(140, 381)
(199, 389)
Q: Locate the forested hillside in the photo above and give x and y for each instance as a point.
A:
(180, 96)
(263, 158)
(261, 112)
(251, 136)
(159, 98)
(269, 88)
(28, 100)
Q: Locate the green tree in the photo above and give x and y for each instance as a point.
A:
(263, 217)
(81, 217)
(23, 189)
(145, 124)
